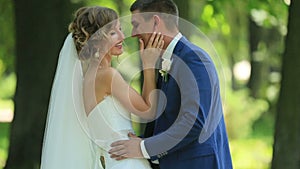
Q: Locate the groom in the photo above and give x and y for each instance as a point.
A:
(189, 131)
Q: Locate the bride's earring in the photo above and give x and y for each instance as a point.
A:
(96, 55)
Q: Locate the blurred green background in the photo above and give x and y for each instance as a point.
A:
(249, 39)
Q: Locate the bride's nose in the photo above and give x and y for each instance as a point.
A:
(121, 35)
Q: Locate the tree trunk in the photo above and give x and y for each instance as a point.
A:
(183, 7)
(258, 59)
(286, 152)
(266, 46)
(184, 13)
(120, 6)
(41, 27)
(237, 19)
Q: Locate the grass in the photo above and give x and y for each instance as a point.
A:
(255, 151)
(251, 153)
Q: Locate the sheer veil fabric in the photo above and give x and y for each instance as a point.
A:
(66, 141)
(72, 139)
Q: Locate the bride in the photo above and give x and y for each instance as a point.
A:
(90, 101)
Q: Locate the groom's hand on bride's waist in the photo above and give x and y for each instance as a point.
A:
(126, 148)
(132, 135)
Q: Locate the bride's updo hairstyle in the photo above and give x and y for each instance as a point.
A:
(87, 22)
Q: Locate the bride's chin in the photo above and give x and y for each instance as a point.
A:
(117, 53)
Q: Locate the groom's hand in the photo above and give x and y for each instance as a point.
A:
(126, 149)
(132, 135)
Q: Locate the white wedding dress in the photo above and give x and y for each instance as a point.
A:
(73, 140)
(109, 122)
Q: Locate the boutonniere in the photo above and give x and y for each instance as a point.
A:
(165, 67)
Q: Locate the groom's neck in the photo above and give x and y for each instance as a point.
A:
(168, 37)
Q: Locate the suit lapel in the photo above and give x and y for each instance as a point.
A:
(179, 46)
(161, 84)
(176, 53)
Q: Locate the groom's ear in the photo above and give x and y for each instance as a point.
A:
(157, 20)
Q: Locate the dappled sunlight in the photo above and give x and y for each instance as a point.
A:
(6, 115)
(6, 110)
(242, 70)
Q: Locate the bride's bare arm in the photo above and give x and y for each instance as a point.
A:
(143, 105)
(140, 105)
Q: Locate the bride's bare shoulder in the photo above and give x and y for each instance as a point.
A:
(107, 75)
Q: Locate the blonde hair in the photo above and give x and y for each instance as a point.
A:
(88, 21)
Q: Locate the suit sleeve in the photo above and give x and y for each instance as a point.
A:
(192, 74)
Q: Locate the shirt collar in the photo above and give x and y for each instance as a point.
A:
(169, 51)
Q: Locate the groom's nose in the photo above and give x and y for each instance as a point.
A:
(134, 33)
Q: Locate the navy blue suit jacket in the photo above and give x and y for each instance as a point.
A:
(188, 109)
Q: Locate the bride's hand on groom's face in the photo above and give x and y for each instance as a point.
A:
(126, 149)
(151, 52)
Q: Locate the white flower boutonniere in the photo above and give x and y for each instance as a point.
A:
(165, 67)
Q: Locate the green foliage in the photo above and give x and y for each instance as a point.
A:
(7, 34)
(2, 68)
(7, 86)
(241, 112)
(249, 121)
(4, 130)
(7, 77)
(106, 3)
(122, 6)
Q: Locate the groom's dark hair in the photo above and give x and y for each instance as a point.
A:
(163, 6)
(166, 7)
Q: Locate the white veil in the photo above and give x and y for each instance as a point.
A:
(66, 144)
